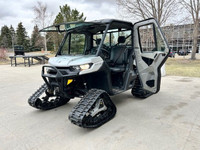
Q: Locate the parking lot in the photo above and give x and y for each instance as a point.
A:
(169, 120)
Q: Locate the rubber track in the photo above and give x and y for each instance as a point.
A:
(138, 91)
(78, 113)
(36, 95)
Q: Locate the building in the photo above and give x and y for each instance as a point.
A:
(180, 37)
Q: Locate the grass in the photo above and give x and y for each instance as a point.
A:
(4, 61)
(183, 67)
(179, 66)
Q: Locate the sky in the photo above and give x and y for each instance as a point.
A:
(14, 11)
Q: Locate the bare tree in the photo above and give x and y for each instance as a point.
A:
(193, 7)
(42, 18)
(158, 9)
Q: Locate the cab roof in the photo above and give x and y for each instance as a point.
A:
(63, 27)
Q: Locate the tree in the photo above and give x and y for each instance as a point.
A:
(65, 15)
(21, 34)
(6, 39)
(193, 7)
(22, 38)
(36, 39)
(143, 9)
(42, 18)
(12, 33)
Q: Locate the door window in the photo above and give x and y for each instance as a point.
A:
(160, 41)
(147, 38)
(150, 39)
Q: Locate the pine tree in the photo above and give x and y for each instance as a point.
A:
(36, 38)
(6, 39)
(22, 39)
(65, 15)
(12, 33)
(21, 34)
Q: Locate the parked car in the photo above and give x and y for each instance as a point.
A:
(189, 51)
(171, 53)
(182, 52)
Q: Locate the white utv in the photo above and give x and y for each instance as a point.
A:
(97, 60)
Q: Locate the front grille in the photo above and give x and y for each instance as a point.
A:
(51, 71)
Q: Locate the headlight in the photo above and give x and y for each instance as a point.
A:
(84, 67)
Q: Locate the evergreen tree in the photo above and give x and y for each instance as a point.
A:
(12, 33)
(36, 38)
(21, 34)
(65, 15)
(6, 39)
(22, 39)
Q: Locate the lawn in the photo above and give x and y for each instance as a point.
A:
(179, 66)
(183, 67)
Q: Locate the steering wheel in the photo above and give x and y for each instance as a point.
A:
(105, 52)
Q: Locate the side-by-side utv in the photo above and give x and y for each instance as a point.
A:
(99, 59)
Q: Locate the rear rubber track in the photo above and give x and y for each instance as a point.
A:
(138, 91)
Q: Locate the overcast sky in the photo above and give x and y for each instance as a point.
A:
(14, 11)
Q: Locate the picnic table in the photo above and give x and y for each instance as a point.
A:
(28, 59)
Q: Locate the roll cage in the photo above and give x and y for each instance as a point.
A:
(89, 29)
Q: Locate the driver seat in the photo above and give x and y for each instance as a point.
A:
(119, 56)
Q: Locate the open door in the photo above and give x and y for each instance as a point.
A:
(151, 51)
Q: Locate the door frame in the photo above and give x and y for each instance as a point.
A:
(155, 55)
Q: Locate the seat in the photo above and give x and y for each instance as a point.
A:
(118, 56)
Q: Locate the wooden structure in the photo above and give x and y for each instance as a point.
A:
(28, 59)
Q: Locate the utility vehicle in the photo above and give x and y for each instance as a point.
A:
(99, 59)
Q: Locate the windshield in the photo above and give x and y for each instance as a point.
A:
(79, 40)
(74, 44)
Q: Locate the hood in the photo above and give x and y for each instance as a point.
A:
(66, 61)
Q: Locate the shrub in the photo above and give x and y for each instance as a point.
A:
(3, 53)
